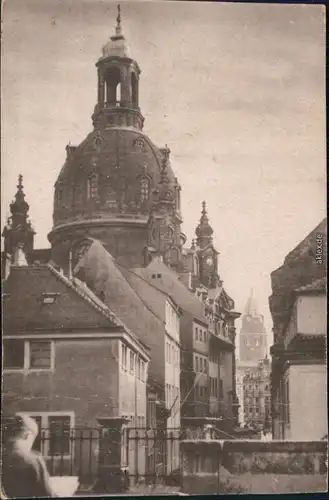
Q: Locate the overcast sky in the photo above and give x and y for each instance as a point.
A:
(236, 91)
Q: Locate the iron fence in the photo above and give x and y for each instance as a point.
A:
(152, 455)
(71, 452)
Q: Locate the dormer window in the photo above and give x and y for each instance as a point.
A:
(49, 298)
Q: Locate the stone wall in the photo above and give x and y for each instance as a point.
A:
(253, 466)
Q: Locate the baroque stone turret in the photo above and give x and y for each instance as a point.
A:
(207, 254)
(204, 231)
(18, 233)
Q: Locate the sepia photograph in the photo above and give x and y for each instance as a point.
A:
(163, 248)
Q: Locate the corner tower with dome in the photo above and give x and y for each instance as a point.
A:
(117, 186)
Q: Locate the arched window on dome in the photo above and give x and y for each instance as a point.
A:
(113, 87)
(78, 193)
(59, 193)
(144, 187)
(134, 90)
(92, 187)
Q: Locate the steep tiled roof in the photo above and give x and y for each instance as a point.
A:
(151, 295)
(24, 308)
(104, 275)
(166, 280)
(79, 307)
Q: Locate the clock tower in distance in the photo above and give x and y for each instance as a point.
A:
(253, 338)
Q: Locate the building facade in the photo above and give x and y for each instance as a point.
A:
(116, 217)
(299, 307)
(60, 343)
(253, 370)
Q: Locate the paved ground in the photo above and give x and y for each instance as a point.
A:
(139, 490)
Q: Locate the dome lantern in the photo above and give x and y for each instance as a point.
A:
(118, 84)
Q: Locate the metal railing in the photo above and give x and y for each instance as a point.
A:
(152, 455)
(72, 452)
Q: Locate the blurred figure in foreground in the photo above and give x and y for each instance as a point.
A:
(24, 471)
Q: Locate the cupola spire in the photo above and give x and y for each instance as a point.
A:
(204, 231)
(118, 28)
(18, 233)
(19, 208)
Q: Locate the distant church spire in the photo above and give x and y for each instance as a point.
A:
(251, 308)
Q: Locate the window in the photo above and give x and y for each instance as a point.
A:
(132, 362)
(40, 355)
(221, 389)
(49, 298)
(25, 355)
(196, 363)
(92, 187)
(13, 352)
(144, 189)
(59, 435)
(142, 370)
(124, 357)
(196, 334)
(55, 431)
(286, 403)
(138, 367)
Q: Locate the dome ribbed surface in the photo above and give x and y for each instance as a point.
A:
(103, 175)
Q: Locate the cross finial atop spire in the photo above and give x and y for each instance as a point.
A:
(20, 182)
(204, 209)
(118, 26)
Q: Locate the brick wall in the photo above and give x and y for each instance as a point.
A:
(85, 381)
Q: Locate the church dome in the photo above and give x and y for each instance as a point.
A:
(117, 186)
(114, 172)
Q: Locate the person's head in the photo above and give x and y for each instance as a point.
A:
(24, 430)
